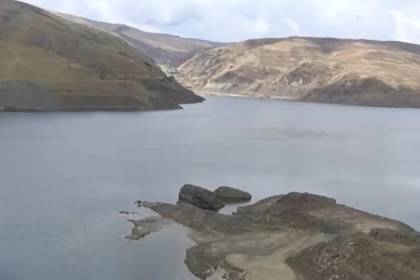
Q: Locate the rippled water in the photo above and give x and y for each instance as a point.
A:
(64, 177)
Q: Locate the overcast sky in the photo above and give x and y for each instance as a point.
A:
(235, 20)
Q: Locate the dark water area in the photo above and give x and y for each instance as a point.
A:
(64, 177)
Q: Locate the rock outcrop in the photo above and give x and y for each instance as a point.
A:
(296, 236)
(232, 195)
(360, 256)
(200, 197)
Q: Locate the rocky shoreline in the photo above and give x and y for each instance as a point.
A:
(296, 236)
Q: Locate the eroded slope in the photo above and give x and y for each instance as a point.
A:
(311, 69)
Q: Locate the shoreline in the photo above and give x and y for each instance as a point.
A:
(220, 93)
(285, 99)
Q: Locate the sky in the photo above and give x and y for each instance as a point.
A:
(237, 20)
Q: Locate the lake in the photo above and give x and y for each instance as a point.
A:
(65, 177)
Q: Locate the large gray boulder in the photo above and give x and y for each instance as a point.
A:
(200, 197)
(232, 195)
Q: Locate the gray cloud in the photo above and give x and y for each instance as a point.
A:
(234, 20)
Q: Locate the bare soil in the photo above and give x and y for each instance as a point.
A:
(296, 236)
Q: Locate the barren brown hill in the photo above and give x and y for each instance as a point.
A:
(162, 48)
(48, 63)
(328, 70)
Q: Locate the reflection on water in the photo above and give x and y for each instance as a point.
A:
(65, 177)
(287, 133)
(144, 227)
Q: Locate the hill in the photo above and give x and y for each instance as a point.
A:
(359, 72)
(49, 63)
(162, 48)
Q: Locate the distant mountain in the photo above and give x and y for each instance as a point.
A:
(49, 63)
(327, 70)
(162, 48)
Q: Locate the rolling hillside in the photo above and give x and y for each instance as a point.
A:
(162, 48)
(359, 72)
(49, 63)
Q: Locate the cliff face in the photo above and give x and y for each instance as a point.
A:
(48, 63)
(311, 69)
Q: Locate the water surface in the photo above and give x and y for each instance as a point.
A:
(64, 177)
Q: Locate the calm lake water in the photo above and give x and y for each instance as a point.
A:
(64, 177)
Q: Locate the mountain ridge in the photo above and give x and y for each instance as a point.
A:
(162, 48)
(329, 70)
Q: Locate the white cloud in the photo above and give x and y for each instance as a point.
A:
(407, 29)
(234, 20)
(293, 25)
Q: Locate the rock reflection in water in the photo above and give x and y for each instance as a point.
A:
(145, 227)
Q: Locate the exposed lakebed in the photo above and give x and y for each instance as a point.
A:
(66, 176)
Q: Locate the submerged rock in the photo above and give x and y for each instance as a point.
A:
(232, 195)
(145, 227)
(200, 197)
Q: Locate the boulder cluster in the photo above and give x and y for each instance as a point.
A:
(214, 201)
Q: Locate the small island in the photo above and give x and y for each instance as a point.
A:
(292, 236)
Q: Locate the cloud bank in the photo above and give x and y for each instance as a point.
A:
(236, 20)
